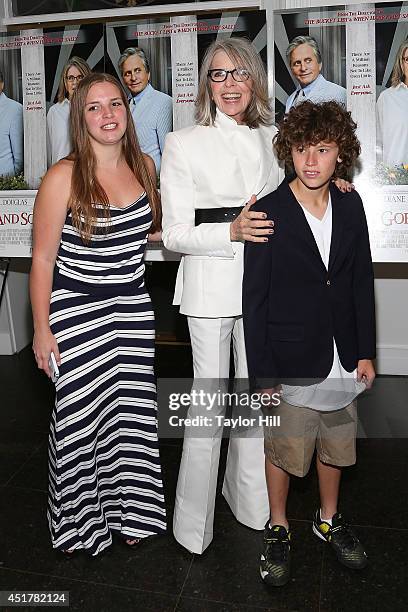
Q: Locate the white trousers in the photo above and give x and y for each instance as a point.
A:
(244, 485)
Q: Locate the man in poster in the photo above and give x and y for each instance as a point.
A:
(152, 110)
(11, 134)
(305, 61)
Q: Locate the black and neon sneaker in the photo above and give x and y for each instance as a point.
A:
(343, 541)
(275, 559)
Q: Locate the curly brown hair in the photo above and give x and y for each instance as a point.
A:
(310, 123)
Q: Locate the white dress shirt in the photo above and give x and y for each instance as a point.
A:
(58, 136)
(340, 387)
(318, 91)
(152, 113)
(11, 136)
(392, 125)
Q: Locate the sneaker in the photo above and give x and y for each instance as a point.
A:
(275, 560)
(344, 542)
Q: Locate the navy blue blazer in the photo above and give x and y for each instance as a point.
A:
(293, 306)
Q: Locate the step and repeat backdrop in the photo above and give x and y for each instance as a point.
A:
(362, 52)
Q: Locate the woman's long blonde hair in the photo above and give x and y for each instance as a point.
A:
(78, 63)
(398, 70)
(86, 190)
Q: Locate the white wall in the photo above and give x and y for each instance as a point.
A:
(392, 324)
(15, 314)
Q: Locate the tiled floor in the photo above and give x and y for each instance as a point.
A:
(160, 575)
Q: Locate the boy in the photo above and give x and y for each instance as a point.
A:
(308, 304)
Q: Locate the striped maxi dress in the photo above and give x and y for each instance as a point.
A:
(104, 465)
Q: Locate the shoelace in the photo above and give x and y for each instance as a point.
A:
(344, 536)
(277, 548)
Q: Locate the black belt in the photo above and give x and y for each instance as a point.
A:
(217, 215)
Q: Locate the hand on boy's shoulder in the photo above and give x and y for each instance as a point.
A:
(265, 204)
(349, 198)
(353, 200)
(343, 185)
(252, 224)
(255, 205)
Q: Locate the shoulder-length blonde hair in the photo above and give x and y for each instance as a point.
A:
(78, 63)
(86, 190)
(244, 55)
(398, 70)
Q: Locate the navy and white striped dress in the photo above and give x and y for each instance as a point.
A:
(104, 465)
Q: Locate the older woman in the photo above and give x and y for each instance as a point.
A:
(209, 171)
(58, 136)
(392, 113)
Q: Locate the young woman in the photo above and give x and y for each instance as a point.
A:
(91, 309)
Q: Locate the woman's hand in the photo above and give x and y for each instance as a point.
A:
(43, 344)
(252, 226)
(343, 185)
(155, 237)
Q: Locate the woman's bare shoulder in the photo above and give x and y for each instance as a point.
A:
(56, 184)
(59, 173)
(63, 166)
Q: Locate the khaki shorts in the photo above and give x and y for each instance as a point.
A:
(291, 445)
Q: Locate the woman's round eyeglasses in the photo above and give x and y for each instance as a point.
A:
(219, 75)
(71, 78)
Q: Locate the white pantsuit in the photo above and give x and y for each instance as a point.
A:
(213, 167)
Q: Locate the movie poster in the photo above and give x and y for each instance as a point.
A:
(15, 204)
(175, 46)
(69, 54)
(11, 108)
(364, 65)
(360, 47)
(50, 63)
(390, 231)
(16, 219)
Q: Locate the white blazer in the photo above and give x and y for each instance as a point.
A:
(212, 167)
